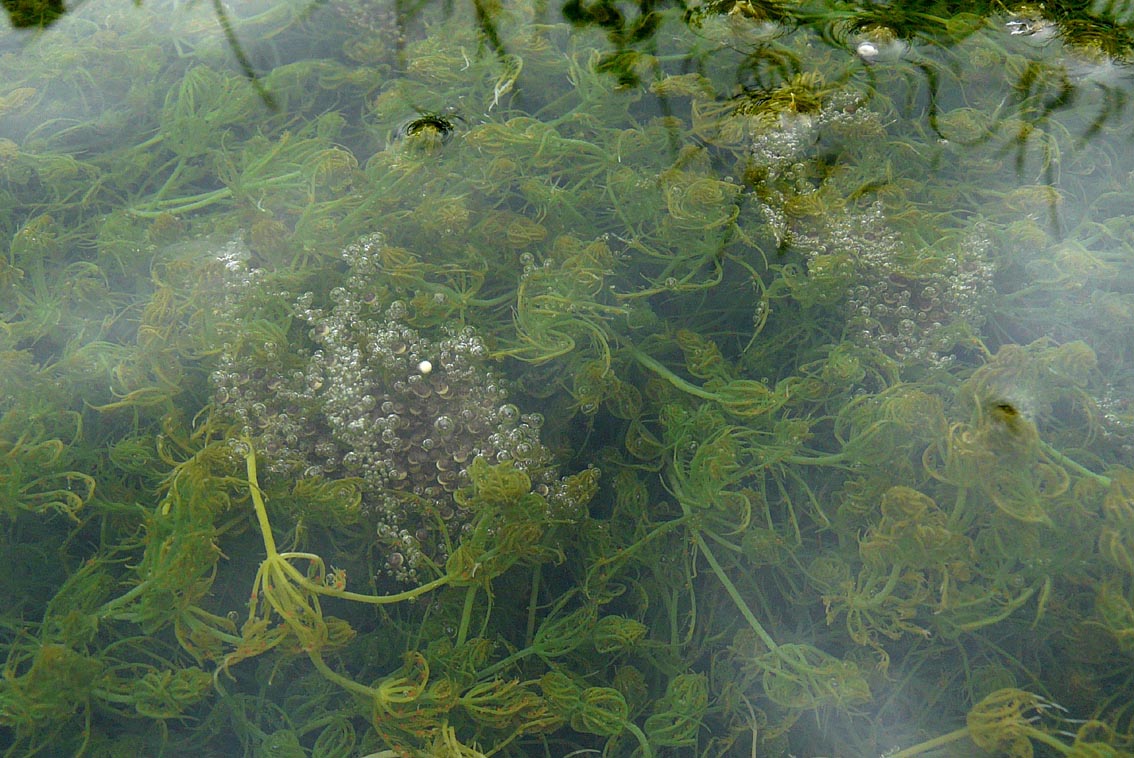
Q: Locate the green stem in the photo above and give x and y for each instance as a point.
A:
(955, 518)
(816, 460)
(347, 684)
(672, 378)
(936, 742)
(503, 663)
(110, 605)
(301, 579)
(195, 202)
(1011, 608)
(734, 593)
(879, 597)
(358, 597)
(647, 751)
(1049, 740)
(258, 501)
(533, 600)
(188, 203)
(1074, 465)
(466, 614)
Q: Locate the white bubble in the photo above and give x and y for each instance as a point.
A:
(867, 51)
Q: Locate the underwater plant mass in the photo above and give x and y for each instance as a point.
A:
(382, 380)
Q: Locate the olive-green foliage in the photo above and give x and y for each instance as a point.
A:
(833, 354)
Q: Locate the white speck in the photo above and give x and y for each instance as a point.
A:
(425, 367)
(867, 51)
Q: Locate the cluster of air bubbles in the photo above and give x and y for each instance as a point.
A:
(917, 309)
(362, 394)
(381, 31)
(1116, 416)
(774, 150)
(917, 306)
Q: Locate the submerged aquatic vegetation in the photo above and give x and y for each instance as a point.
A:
(672, 385)
(375, 400)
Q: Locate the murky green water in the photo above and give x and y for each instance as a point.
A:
(475, 380)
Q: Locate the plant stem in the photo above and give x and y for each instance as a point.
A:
(734, 593)
(936, 742)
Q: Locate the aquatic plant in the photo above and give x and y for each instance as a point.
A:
(375, 400)
(674, 384)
